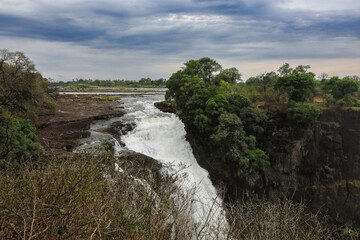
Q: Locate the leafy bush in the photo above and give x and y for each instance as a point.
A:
(298, 86)
(329, 98)
(303, 114)
(347, 101)
(22, 92)
(340, 88)
(18, 140)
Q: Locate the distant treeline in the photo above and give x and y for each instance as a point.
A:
(89, 83)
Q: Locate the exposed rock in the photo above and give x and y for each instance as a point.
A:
(61, 131)
(142, 165)
(116, 129)
(166, 106)
(320, 166)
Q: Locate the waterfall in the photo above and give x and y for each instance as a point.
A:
(162, 137)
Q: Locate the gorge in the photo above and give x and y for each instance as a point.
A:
(319, 166)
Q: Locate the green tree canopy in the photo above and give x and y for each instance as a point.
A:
(22, 88)
(22, 91)
(208, 102)
(205, 68)
(231, 75)
(298, 85)
(264, 81)
(339, 88)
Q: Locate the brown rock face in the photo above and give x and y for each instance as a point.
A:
(61, 131)
(166, 106)
(320, 166)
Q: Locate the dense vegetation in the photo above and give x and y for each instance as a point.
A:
(209, 102)
(22, 91)
(214, 104)
(89, 83)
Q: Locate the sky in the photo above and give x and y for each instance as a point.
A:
(131, 39)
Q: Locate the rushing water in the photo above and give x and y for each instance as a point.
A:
(162, 136)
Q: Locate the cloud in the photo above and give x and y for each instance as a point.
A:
(168, 33)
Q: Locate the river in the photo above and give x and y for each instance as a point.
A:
(162, 136)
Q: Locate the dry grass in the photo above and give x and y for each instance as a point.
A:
(259, 219)
(86, 197)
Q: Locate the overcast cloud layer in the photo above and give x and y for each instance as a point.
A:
(114, 39)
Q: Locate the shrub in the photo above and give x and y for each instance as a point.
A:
(87, 197)
(106, 98)
(347, 101)
(84, 197)
(281, 219)
(298, 86)
(18, 140)
(303, 114)
(329, 99)
(339, 88)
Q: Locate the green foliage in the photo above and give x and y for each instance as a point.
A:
(285, 69)
(22, 88)
(213, 105)
(216, 105)
(303, 114)
(18, 140)
(230, 75)
(22, 92)
(203, 123)
(236, 147)
(298, 86)
(329, 98)
(340, 87)
(350, 233)
(89, 83)
(105, 98)
(347, 101)
(340, 91)
(263, 82)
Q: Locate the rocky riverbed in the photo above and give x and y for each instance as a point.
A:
(61, 131)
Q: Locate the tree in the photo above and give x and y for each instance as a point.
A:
(298, 86)
(231, 75)
(323, 76)
(339, 88)
(303, 114)
(301, 69)
(204, 68)
(285, 69)
(210, 105)
(22, 88)
(22, 91)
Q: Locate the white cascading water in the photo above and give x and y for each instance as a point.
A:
(162, 137)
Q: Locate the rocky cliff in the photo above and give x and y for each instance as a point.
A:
(320, 166)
